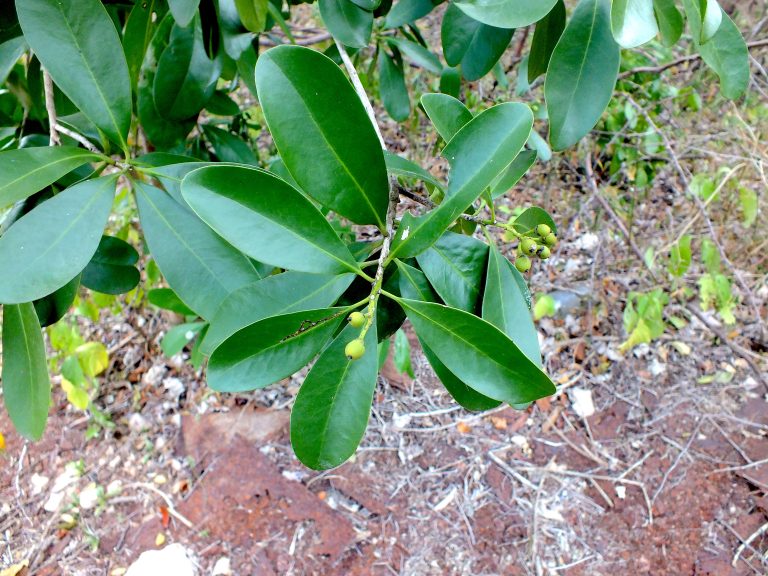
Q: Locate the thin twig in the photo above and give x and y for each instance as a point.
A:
(50, 107)
(752, 537)
(168, 502)
(87, 144)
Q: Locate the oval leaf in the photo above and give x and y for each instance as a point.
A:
(669, 20)
(347, 21)
(394, 93)
(77, 43)
(581, 74)
(478, 353)
(506, 13)
(197, 263)
(266, 218)
(448, 114)
(112, 269)
(331, 411)
(49, 246)
(313, 112)
(271, 349)
(26, 385)
(633, 22)
(183, 10)
(545, 38)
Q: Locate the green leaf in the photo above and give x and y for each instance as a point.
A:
(454, 266)
(526, 222)
(198, 264)
(581, 74)
(545, 306)
(93, 358)
(349, 23)
(47, 247)
(414, 284)
(478, 353)
(710, 256)
(726, 53)
(669, 20)
(478, 153)
(10, 52)
(506, 307)
(450, 82)
(705, 18)
(183, 10)
(253, 14)
(52, 308)
(179, 336)
(167, 299)
(278, 226)
(394, 93)
(185, 77)
(26, 385)
(228, 147)
(139, 29)
(161, 132)
(448, 114)
(633, 22)
(331, 411)
(76, 41)
(514, 172)
(112, 268)
(171, 176)
(271, 349)
(545, 38)
(402, 356)
(680, 257)
(400, 166)
(506, 13)
(313, 112)
(417, 54)
(368, 4)
(406, 11)
(28, 170)
(475, 46)
(748, 201)
(273, 296)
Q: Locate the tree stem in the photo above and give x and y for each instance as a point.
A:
(50, 107)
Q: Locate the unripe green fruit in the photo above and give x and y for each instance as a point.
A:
(544, 253)
(543, 230)
(528, 246)
(550, 240)
(355, 349)
(356, 320)
(523, 263)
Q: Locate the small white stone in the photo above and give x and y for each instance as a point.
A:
(38, 482)
(137, 422)
(174, 387)
(582, 402)
(171, 560)
(223, 567)
(89, 496)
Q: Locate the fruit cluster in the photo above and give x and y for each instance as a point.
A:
(539, 247)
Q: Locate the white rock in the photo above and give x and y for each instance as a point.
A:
(154, 375)
(38, 482)
(137, 422)
(62, 486)
(582, 402)
(174, 387)
(587, 241)
(171, 560)
(223, 567)
(89, 497)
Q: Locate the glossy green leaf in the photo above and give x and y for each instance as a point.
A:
(228, 147)
(680, 256)
(26, 385)
(266, 218)
(478, 353)
(478, 153)
(139, 28)
(470, 44)
(514, 172)
(273, 296)
(50, 245)
(10, 52)
(448, 114)
(349, 23)
(271, 349)
(669, 20)
(28, 170)
(455, 266)
(414, 284)
(400, 166)
(633, 22)
(704, 17)
(201, 267)
(313, 112)
(186, 77)
(402, 354)
(726, 53)
(177, 337)
(506, 13)
(76, 41)
(183, 10)
(331, 411)
(581, 74)
(52, 308)
(505, 306)
(417, 54)
(392, 88)
(161, 132)
(368, 4)
(527, 221)
(545, 38)
(171, 176)
(406, 11)
(450, 82)
(112, 269)
(167, 299)
(253, 14)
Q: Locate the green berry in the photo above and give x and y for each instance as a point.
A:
(523, 263)
(528, 246)
(544, 253)
(550, 240)
(543, 230)
(355, 349)
(356, 320)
